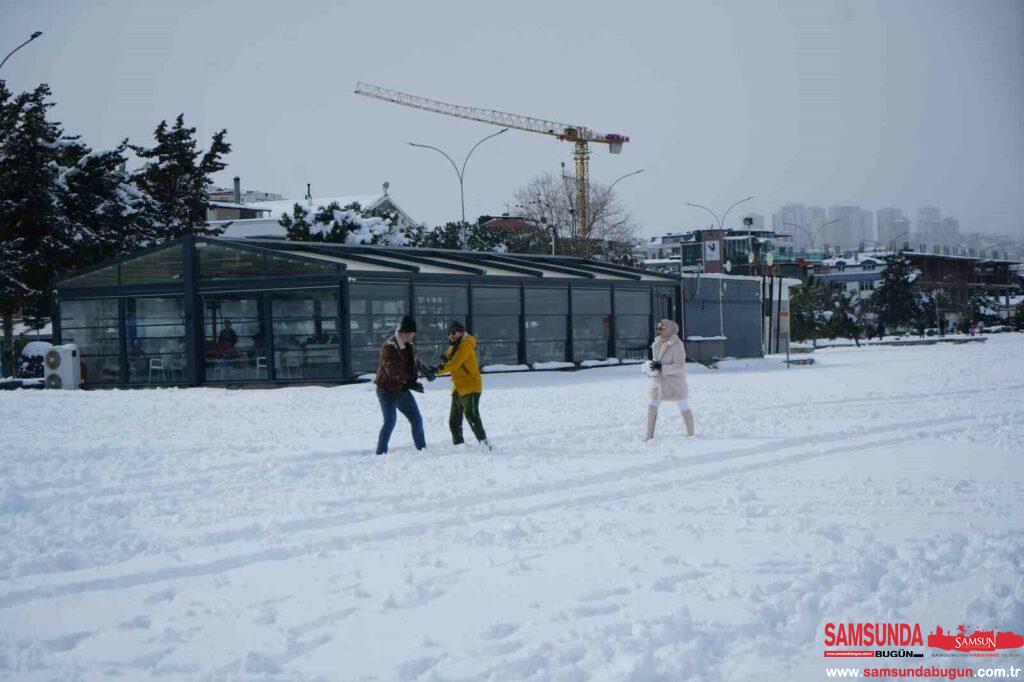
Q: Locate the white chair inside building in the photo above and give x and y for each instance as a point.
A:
(291, 364)
(178, 368)
(156, 368)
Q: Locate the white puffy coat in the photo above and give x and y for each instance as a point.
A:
(670, 382)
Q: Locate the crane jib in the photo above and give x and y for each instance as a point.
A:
(570, 133)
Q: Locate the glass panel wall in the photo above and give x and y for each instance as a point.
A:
(436, 304)
(591, 323)
(103, 277)
(546, 314)
(155, 335)
(234, 338)
(375, 309)
(280, 266)
(633, 326)
(165, 265)
(221, 262)
(93, 325)
(496, 312)
(306, 344)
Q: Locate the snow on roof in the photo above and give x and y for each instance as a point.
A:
(276, 208)
(231, 204)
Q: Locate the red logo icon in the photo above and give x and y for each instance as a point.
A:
(979, 640)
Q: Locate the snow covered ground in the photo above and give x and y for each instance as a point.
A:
(212, 534)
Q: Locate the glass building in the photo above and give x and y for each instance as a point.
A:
(205, 310)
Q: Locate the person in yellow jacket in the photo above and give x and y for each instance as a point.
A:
(467, 383)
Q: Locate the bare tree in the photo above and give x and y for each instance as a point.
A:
(551, 200)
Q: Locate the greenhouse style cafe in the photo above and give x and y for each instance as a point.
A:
(214, 311)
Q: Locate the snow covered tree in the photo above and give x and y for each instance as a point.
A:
(896, 297)
(62, 207)
(341, 225)
(102, 214)
(845, 320)
(177, 177)
(1019, 319)
(982, 308)
(30, 157)
(808, 306)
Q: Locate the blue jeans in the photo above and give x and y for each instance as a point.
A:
(406, 404)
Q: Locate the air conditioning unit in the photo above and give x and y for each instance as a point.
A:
(62, 368)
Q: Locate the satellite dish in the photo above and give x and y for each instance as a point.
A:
(750, 257)
(771, 258)
(728, 266)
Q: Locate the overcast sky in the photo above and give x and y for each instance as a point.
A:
(888, 103)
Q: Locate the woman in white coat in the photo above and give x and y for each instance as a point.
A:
(668, 361)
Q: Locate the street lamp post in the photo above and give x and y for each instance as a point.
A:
(627, 175)
(460, 172)
(721, 223)
(31, 38)
(812, 237)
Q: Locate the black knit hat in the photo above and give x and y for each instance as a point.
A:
(456, 326)
(407, 325)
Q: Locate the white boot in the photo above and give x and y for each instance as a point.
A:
(652, 418)
(688, 420)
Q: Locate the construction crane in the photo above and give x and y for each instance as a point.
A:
(578, 135)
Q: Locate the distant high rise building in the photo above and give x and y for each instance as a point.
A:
(933, 229)
(928, 214)
(853, 227)
(885, 218)
(809, 220)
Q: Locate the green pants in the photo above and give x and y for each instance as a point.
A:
(468, 405)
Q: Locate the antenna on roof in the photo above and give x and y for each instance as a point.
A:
(309, 195)
(386, 186)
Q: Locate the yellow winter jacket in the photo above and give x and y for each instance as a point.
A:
(464, 367)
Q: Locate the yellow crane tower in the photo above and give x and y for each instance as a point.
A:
(579, 135)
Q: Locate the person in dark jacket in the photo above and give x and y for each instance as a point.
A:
(395, 380)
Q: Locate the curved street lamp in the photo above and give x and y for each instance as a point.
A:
(460, 172)
(814, 236)
(721, 223)
(31, 38)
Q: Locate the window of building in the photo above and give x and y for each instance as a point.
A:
(234, 338)
(632, 323)
(591, 323)
(496, 312)
(436, 304)
(155, 337)
(93, 325)
(306, 344)
(165, 265)
(546, 313)
(375, 309)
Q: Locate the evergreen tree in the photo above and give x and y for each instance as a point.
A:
(808, 305)
(845, 320)
(896, 299)
(30, 154)
(341, 225)
(177, 178)
(102, 213)
(981, 308)
(1019, 319)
